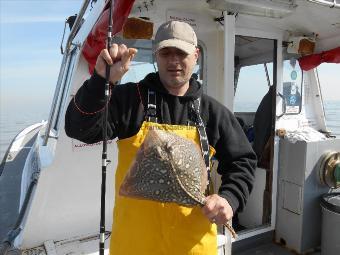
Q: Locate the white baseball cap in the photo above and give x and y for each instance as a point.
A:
(176, 34)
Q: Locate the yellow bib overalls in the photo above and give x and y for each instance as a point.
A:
(144, 227)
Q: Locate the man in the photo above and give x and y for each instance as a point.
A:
(167, 100)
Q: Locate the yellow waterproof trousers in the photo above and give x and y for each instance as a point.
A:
(143, 227)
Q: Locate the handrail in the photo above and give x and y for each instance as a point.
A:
(283, 104)
(74, 30)
(55, 99)
(326, 3)
(76, 25)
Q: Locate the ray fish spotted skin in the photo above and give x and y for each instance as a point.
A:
(167, 168)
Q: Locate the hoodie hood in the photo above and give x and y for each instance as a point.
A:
(153, 82)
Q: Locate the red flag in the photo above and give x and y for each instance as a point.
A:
(312, 61)
(96, 40)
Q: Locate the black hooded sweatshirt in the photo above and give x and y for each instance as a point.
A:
(127, 106)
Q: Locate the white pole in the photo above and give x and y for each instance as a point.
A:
(229, 52)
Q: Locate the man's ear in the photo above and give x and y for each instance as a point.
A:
(197, 52)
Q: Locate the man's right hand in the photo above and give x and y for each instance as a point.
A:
(119, 59)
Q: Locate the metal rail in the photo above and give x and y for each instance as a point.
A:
(77, 24)
(75, 28)
(333, 4)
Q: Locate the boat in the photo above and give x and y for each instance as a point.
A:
(50, 183)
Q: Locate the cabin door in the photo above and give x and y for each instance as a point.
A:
(254, 107)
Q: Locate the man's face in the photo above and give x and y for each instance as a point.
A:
(175, 67)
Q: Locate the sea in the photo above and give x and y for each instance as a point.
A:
(15, 118)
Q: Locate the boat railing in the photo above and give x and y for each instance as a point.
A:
(74, 30)
(77, 24)
(334, 4)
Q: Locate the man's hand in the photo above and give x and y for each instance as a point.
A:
(119, 59)
(217, 209)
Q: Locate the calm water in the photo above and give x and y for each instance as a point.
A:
(16, 118)
(332, 110)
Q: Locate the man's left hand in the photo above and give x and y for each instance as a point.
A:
(217, 209)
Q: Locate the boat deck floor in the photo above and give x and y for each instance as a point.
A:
(265, 249)
(263, 244)
(270, 249)
(10, 183)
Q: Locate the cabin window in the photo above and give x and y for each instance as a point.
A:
(252, 85)
(142, 64)
(253, 71)
(329, 79)
(292, 86)
(199, 72)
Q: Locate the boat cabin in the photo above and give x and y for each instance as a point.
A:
(250, 61)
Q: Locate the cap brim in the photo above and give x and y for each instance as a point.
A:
(179, 44)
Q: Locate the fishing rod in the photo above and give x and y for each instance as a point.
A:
(104, 153)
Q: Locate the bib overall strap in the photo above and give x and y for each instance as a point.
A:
(195, 111)
(151, 110)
